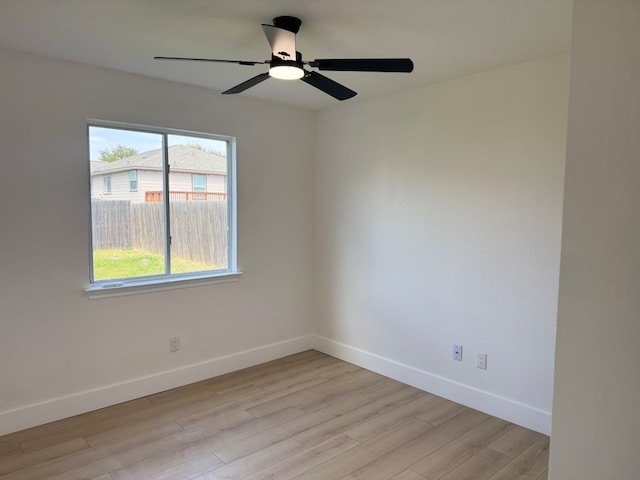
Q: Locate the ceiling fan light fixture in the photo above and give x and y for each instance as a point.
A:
(286, 72)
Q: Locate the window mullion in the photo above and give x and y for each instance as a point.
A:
(166, 205)
(231, 207)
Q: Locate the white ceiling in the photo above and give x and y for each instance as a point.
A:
(444, 38)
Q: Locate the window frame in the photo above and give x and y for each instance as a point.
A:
(193, 182)
(106, 184)
(128, 286)
(135, 179)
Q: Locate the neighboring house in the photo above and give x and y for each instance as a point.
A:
(195, 175)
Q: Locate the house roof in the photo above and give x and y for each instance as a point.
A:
(182, 158)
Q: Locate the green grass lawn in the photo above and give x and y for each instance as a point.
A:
(115, 263)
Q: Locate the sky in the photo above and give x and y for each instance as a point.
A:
(101, 138)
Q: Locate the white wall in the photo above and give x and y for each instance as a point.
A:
(596, 414)
(438, 220)
(54, 341)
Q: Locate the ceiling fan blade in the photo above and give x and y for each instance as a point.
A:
(247, 84)
(283, 42)
(216, 60)
(404, 65)
(328, 86)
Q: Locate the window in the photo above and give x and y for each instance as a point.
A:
(106, 184)
(199, 183)
(160, 231)
(133, 180)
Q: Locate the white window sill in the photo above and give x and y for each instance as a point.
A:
(134, 287)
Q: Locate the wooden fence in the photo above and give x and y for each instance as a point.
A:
(175, 196)
(111, 224)
(198, 229)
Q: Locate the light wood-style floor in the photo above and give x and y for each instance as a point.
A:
(303, 417)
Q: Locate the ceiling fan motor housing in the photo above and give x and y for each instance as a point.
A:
(277, 61)
(291, 24)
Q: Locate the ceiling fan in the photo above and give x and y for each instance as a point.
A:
(286, 62)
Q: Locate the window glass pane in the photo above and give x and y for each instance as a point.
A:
(198, 204)
(133, 180)
(127, 226)
(199, 183)
(138, 228)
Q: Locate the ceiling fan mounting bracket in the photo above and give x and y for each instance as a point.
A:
(291, 24)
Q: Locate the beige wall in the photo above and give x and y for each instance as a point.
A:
(150, 180)
(119, 187)
(182, 182)
(596, 409)
(60, 352)
(437, 221)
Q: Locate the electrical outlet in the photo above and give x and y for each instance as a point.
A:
(482, 361)
(457, 352)
(174, 344)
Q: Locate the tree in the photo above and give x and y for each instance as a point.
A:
(202, 148)
(117, 153)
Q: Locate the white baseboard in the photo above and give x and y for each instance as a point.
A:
(62, 407)
(496, 405)
(57, 408)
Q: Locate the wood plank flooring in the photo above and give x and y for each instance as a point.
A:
(308, 416)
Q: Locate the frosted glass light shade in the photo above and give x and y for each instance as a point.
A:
(286, 72)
